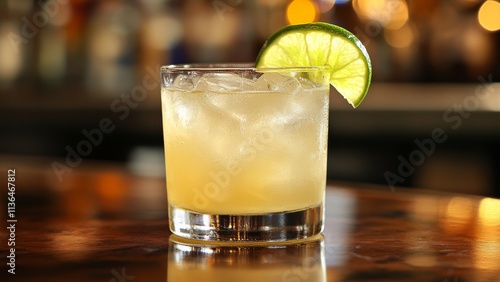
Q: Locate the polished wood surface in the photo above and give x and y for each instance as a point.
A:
(106, 222)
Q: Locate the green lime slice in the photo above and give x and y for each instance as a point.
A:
(322, 44)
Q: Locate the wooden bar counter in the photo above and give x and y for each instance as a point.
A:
(107, 222)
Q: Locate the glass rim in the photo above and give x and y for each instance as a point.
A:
(220, 67)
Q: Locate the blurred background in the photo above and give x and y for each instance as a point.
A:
(80, 79)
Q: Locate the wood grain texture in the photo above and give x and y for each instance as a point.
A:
(103, 223)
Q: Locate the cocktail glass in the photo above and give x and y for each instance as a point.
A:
(245, 151)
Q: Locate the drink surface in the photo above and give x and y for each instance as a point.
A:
(241, 146)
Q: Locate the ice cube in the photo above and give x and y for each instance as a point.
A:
(287, 115)
(185, 110)
(229, 107)
(183, 82)
(277, 82)
(308, 84)
(267, 81)
(227, 97)
(222, 82)
(216, 122)
(298, 110)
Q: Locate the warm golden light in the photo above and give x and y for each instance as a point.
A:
(474, 38)
(489, 212)
(486, 247)
(400, 38)
(398, 14)
(425, 207)
(11, 53)
(165, 40)
(75, 243)
(367, 8)
(486, 254)
(489, 15)
(422, 260)
(302, 11)
(458, 215)
(392, 14)
(460, 208)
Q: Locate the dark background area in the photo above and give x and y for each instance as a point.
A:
(68, 65)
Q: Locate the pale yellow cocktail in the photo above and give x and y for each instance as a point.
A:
(243, 143)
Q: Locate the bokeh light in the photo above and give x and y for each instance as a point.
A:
(400, 38)
(392, 14)
(475, 38)
(302, 11)
(162, 40)
(486, 251)
(398, 14)
(489, 212)
(489, 15)
(326, 5)
(11, 50)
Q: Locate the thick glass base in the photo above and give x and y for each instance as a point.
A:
(273, 227)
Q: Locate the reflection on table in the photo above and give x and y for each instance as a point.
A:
(287, 262)
(103, 222)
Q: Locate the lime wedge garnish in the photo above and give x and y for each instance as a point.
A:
(322, 44)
